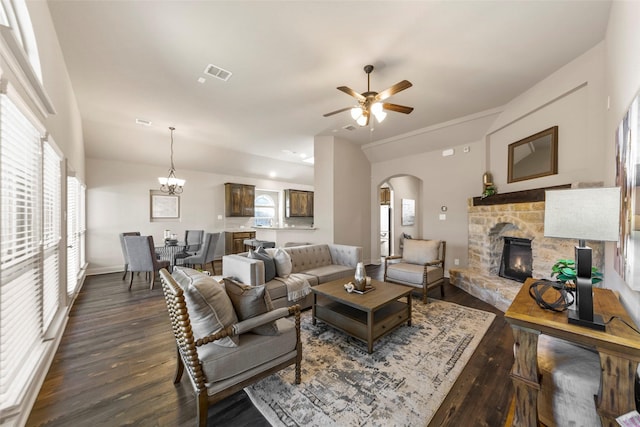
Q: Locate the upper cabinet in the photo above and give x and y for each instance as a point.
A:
(239, 199)
(385, 196)
(298, 203)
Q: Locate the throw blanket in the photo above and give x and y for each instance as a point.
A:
(297, 286)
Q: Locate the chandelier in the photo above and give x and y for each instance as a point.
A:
(171, 184)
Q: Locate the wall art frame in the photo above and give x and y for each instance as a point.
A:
(534, 156)
(163, 206)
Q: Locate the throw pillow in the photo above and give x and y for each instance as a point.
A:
(251, 301)
(184, 275)
(420, 251)
(269, 263)
(210, 308)
(283, 263)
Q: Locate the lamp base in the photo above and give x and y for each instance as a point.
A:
(597, 323)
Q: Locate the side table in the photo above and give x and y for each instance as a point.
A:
(618, 348)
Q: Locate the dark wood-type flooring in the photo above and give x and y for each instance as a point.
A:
(116, 361)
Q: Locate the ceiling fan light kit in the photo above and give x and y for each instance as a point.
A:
(370, 102)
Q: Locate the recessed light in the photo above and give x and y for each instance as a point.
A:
(272, 174)
(309, 160)
(143, 122)
(201, 80)
(303, 156)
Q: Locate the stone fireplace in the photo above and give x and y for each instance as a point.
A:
(517, 258)
(488, 225)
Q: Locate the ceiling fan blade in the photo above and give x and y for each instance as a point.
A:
(337, 111)
(351, 92)
(400, 86)
(397, 108)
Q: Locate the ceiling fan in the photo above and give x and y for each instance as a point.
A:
(370, 102)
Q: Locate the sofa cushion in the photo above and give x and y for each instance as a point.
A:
(304, 258)
(250, 301)
(420, 251)
(283, 262)
(269, 263)
(219, 363)
(412, 274)
(328, 273)
(277, 289)
(210, 308)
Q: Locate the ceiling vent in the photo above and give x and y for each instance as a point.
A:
(349, 127)
(217, 72)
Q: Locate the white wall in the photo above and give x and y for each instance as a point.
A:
(342, 179)
(622, 84)
(118, 201)
(573, 99)
(66, 125)
(445, 181)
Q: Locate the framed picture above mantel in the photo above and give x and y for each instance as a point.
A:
(534, 156)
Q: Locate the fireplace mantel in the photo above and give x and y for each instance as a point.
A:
(524, 196)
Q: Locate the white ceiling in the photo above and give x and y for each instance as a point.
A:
(141, 59)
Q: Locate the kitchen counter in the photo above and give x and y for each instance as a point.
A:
(282, 235)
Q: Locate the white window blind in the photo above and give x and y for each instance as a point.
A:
(20, 219)
(73, 260)
(51, 208)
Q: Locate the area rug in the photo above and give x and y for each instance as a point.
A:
(402, 383)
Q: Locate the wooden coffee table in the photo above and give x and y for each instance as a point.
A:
(366, 317)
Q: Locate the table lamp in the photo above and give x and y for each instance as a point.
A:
(583, 214)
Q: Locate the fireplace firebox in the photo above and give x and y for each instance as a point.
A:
(517, 259)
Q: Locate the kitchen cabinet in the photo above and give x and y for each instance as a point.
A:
(234, 241)
(298, 203)
(385, 196)
(239, 200)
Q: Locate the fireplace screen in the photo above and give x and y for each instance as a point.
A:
(517, 259)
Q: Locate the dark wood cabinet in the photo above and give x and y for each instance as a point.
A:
(239, 199)
(298, 203)
(234, 241)
(385, 196)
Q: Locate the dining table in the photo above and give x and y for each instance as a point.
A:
(168, 252)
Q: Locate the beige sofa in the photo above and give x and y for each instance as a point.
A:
(317, 263)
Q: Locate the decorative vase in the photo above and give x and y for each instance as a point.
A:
(360, 277)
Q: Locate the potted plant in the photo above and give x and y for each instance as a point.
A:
(565, 271)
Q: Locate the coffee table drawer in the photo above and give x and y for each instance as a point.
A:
(354, 321)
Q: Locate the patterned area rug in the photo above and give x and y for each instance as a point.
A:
(402, 383)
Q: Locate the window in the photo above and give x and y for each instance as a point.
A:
(75, 233)
(265, 209)
(30, 246)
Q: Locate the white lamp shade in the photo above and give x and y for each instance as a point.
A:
(584, 214)
(380, 116)
(171, 181)
(356, 113)
(362, 120)
(376, 108)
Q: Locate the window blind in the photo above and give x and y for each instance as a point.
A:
(20, 297)
(51, 208)
(72, 235)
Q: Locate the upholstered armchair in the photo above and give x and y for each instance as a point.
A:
(421, 265)
(124, 251)
(227, 337)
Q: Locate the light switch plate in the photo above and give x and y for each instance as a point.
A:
(443, 217)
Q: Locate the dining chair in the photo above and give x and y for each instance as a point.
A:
(142, 257)
(206, 254)
(124, 251)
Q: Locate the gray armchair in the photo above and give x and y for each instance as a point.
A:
(142, 257)
(206, 253)
(421, 265)
(124, 251)
(217, 369)
(192, 244)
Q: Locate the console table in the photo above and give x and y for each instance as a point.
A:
(618, 348)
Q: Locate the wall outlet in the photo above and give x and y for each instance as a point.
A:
(456, 261)
(219, 217)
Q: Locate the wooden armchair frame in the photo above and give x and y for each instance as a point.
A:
(187, 349)
(426, 287)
